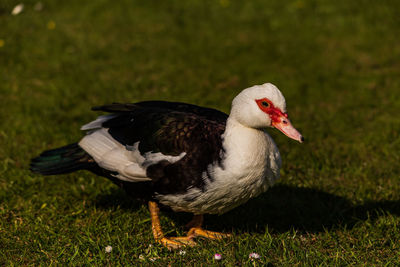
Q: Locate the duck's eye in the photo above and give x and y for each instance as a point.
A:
(265, 104)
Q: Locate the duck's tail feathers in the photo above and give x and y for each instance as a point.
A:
(62, 160)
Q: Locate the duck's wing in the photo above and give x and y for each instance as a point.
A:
(206, 113)
(169, 144)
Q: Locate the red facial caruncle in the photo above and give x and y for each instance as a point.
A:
(279, 119)
(274, 113)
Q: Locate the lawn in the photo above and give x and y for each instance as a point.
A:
(336, 62)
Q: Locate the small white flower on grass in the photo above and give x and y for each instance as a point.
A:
(17, 9)
(141, 257)
(108, 249)
(254, 255)
(217, 256)
(182, 252)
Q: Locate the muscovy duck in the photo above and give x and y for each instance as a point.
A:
(188, 158)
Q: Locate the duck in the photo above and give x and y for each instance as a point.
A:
(182, 156)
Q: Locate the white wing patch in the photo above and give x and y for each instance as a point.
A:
(151, 158)
(125, 160)
(96, 124)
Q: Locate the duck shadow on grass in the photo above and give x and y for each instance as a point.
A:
(281, 209)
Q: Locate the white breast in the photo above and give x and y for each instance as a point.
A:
(250, 166)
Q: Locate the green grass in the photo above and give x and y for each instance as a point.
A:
(337, 63)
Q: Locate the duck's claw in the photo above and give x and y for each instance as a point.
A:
(198, 231)
(176, 242)
(185, 240)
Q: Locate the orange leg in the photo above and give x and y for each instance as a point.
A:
(177, 242)
(196, 229)
(169, 242)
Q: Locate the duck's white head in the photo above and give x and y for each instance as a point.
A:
(262, 106)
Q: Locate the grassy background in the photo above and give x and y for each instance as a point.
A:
(337, 63)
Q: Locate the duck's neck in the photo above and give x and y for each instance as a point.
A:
(244, 145)
(250, 155)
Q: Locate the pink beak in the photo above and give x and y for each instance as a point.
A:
(286, 127)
